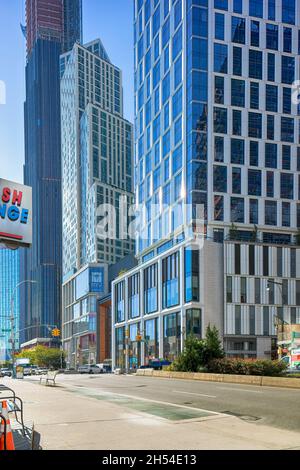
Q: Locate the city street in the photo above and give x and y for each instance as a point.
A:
(128, 412)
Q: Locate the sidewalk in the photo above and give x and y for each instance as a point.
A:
(67, 420)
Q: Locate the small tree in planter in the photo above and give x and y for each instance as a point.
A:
(214, 349)
(199, 352)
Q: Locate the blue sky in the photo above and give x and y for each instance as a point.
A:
(111, 20)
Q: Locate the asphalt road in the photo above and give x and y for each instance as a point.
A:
(276, 407)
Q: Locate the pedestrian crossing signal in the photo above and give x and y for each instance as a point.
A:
(56, 332)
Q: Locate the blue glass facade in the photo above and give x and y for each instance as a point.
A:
(9, 279)
(41, 305)
(213, 84)
(238, 155)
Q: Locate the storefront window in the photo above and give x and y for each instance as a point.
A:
(134, 346)
(151, 340)
(120, 347)
(172, 336)
(193, 322)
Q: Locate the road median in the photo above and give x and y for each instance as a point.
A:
(282, 382)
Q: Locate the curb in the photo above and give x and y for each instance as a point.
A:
(282, 382)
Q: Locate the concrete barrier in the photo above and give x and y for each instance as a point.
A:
(208, 377)
(161, 373)
(283, 382)
(242, 379)
(181, 375)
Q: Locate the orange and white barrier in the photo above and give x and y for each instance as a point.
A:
(9, 435)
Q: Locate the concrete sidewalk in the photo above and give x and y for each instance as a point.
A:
(69, 420)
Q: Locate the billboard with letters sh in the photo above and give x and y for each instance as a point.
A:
(15, 214)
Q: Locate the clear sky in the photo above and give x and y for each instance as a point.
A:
(111, 20)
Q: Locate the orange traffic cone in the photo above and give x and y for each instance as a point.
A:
(9, 435)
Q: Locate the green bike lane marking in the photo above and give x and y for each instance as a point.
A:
(165, 410)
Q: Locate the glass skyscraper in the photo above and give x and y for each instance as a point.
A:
(51, 26)
(97, 167)
(97, 154)
(215, 125)
(215, 121)
(9, 297)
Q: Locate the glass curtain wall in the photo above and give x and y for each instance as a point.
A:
(134, 346)
(151, 340)
(172, 336)
(150, 289)
(170, 280)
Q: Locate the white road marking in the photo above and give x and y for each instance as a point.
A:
(198, 394)
(239, 389)
(94, 393)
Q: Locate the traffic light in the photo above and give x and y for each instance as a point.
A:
(56, 333)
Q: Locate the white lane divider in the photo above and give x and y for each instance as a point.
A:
(197, 394)
(240, 389)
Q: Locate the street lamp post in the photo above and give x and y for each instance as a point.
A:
(12, 318)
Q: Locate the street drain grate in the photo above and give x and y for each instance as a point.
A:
(243, 417)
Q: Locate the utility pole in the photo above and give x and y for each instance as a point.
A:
(12, 319)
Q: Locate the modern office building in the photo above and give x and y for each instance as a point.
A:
(80, 295)
(97, 167)
(9, 301)
(49, 30)
(215, 125)
(262, 295)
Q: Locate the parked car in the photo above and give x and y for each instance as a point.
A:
(5, 372)
(27, 371)
(104, 368)
(94, 369)
(34, 370)
(159, 363)
(293, 369)
(86, 369)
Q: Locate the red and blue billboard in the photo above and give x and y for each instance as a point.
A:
(15, 213)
